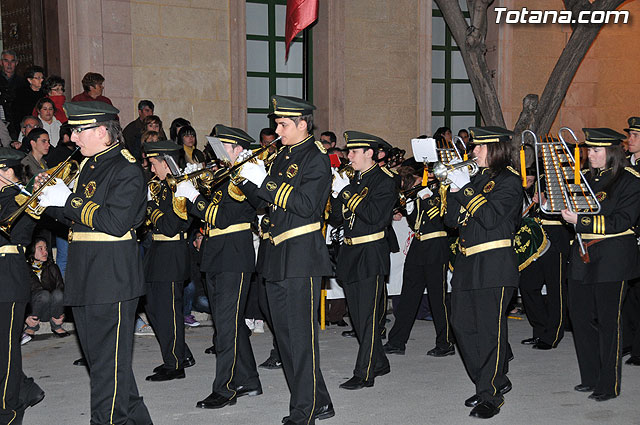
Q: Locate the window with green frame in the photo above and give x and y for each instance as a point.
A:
(452, 102)
(267, 71)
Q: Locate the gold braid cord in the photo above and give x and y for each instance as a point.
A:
(235, 192)
(443, 189)
(180, 207)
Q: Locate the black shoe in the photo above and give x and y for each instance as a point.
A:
(584, 388)
(475, 399)
(349, 334)
(188, 362)
(485, 410)
(216, 401)
(80, 362)
(602, 397)
(62, 334)
(166, 375)
(356, 383)
(529, 341)
(540, 345)
(210, 350)
(35, 399)
(633, 360)
(271, 363)
(251, 392)
(506, 387)
(442, 352)
(381, 372)
(390, 349)
(322, 412)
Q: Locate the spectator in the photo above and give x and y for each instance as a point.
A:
(37, 144)
(5, 137)
(93, 86)
(176, 125)
(148, 136)
(328, 139)
(46, 112)
(268, 135)
(135, 128)
(187, 138)
(27, 124)
(149, 123)
(47, 288)
(53, 88)
(62, 151)
(464, 135)
(10, 85)
(29, 94)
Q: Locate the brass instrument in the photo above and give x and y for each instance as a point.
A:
(441, 170)
(447, 152)
(67, 171)
(347, 171)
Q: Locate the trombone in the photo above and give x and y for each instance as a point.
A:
(67, 170)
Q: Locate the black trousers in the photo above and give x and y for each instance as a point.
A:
(164, 306)
(235, 364)
(294, 306)
(546, 314)
(415, 278)
(105, 332)
(253, 309)
(365, 298)
(631, 318)
(595, 311)
(47, 304)
(479, 321)
(263, 302)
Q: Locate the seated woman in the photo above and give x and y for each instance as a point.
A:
(187, 138)
(47, 288)
(46, 112)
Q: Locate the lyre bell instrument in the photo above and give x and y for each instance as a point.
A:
(441, 170)
(67, 171)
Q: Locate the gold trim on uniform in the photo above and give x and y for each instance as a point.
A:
(475, 203)
(201, 205)
(155, 215)
(90, 189)
(271, 186)
(598, 224)
(231, 229)
(10, 249)
(433, 212)
(282, 195)
(77, 202)
(469, 191)
(487, 246)
(489, 186)
(440, 234)
(600, 196)
(128, 155)
(364, 239)
(297, 231)
(98, 237)
(159, 237)
(210, 214)
(292, 170)
(86, 216)
(600, 236)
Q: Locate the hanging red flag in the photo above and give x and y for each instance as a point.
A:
(300, 14)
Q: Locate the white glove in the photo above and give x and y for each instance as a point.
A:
(339, 183)
(460, 177)
(425, 193)
(410, 206)
(255, 173)
(55, 195)
(186, 189)
(190, 168)
(149, 197)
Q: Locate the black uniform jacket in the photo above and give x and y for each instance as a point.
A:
(226, 252)
(166, 260)
(296, 188)
(613, 258)
(486, 210)
(15, 272)
(366, 207)
(558, 232)
(109, 200)
(425, 221)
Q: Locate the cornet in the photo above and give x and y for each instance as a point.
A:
(441, 171)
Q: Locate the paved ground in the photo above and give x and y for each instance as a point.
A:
(419, 390)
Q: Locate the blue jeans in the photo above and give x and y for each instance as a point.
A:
(191, 302)
(62, 246)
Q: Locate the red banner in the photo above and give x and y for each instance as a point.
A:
(300, 14)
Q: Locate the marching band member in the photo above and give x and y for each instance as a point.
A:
(296, 187)
(598, 280)
(366, 206)
(486, 209)
(228, 261)
(19, 392)
(166, 265)
(104, 276)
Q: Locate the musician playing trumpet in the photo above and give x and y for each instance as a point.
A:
(228, 260)
(598, 280)
(486, 209)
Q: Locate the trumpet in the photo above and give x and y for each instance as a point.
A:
(67, 171)
(441, 171)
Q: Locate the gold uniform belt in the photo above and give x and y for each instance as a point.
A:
(551, 222)
(298, 231)
(158, 237)
(364, 239)
(265, 235)
(487, 246)
(11, 249)
(588, 236)
(440, 234)
(98, 237)
(231, 229)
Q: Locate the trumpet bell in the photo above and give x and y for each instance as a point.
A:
(441, 170)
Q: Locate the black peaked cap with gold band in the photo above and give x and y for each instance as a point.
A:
(10, 157)
(634, 124)
(602, 137)
(233, 135)
(358, 139)
(290, 107)
(491, 134)
(161, 147)
(83, 113)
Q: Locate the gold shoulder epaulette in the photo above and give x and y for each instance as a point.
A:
(632, 171)
(510, 168)
(320, 146)
(387, 171)
(127, 154)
